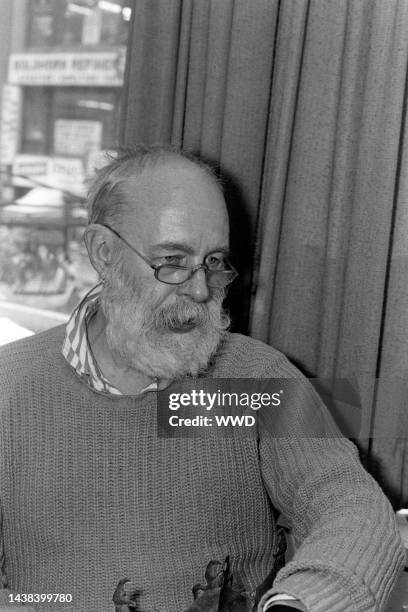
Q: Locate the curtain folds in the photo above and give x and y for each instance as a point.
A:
(302, 105)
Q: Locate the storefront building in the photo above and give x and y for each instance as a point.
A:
(60, 109)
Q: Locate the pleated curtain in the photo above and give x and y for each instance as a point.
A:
(302, 106)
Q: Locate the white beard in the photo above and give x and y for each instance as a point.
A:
(167, 342)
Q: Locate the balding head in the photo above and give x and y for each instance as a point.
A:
(114, 190)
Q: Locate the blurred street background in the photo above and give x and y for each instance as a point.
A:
(61, 76)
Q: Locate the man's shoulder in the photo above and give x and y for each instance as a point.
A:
(33, 351)
(245, 357)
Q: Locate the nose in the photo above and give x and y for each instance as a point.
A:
(196, 287)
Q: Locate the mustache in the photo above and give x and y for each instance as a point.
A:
(177, 315)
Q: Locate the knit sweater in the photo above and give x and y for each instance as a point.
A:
(89, 494)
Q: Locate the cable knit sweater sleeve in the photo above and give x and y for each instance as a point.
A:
(348, 551)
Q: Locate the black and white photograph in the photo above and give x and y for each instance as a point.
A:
(203, 305)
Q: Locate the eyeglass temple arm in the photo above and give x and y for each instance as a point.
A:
(132, 248)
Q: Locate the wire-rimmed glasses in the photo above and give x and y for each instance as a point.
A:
(218, 270)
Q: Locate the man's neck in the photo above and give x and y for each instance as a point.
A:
(126, 379)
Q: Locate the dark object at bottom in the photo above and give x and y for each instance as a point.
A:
(232, 598)
(219, 592)
(125, 596)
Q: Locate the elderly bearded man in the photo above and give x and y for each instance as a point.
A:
(90, 494)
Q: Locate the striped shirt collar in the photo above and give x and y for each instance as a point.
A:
(77, 350)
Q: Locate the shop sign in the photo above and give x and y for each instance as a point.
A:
(10, 123)
(104, 68)
(30, 165)
(56, 172)
(67, 173)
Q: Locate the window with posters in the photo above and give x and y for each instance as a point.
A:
(79, 119)
(60, 110)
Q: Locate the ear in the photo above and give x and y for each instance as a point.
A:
(98, 241)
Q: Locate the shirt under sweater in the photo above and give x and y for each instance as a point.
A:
(89, 494)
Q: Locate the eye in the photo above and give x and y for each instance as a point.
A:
(174, 260)
(216, 261)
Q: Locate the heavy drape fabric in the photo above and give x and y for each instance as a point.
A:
(302, 105)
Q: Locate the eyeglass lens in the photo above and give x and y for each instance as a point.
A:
(174, 276)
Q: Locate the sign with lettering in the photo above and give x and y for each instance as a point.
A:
(56, 172)
(10, 123)
(104, 68)
(30, 165)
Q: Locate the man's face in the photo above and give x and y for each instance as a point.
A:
(178, 216)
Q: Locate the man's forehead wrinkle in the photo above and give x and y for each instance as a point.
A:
(169, 244)
(183, 246)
